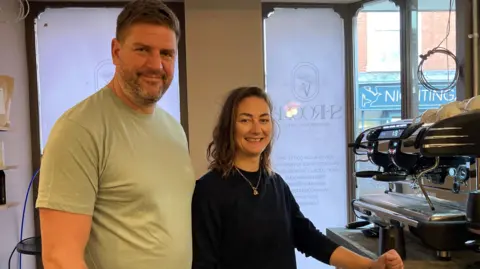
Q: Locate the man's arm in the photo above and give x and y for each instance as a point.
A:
(67, 192)
(64, 237)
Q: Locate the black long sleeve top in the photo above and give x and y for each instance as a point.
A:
(234, 229)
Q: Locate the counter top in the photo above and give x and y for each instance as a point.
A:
(418, 256)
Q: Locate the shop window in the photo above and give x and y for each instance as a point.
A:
(305, 77)
(433, 26)
(377, 85)
(73, 64)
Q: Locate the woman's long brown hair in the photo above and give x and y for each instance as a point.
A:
(221, 151)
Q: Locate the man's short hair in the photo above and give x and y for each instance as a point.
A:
(146, 11)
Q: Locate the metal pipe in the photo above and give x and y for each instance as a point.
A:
(420, 181)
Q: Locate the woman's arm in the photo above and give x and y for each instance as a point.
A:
(205, 228)
(310, 241)
(346, 259)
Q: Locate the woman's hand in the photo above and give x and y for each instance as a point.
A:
(389, 260)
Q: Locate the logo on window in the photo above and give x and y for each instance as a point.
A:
(104, 72)
(305, 82)
(276, 131)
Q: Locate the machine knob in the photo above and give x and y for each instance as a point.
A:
(462, 174)
(456, 187)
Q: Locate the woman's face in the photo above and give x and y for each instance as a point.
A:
(253, 127)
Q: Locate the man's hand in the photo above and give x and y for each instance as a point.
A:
(389, 260)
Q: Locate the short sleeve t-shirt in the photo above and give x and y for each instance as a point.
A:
(132, 173)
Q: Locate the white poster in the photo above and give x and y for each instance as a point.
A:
(74, 61)
(305, 76)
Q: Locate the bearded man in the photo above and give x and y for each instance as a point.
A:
(116, 179)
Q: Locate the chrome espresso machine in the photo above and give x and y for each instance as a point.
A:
(418, 160)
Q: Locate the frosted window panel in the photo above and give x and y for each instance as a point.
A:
(74, 61)
(305, 77)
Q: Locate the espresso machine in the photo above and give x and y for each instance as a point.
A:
(415, 157)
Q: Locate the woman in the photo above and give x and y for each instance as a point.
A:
(244, 215)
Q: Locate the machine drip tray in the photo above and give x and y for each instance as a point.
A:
(448, 219)
(416, 207)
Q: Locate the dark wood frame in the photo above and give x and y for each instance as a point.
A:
(348, 13)
(36, 8)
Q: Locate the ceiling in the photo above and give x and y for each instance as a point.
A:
(276, 1)
(313, 1)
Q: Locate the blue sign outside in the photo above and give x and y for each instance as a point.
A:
(379, 96)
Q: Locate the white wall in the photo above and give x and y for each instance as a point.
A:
(224, 51)
(17, 141)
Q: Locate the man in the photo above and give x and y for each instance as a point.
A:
(116, 179)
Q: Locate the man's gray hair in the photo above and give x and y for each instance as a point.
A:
(146, 11)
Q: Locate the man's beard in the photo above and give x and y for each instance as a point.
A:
(134, 90)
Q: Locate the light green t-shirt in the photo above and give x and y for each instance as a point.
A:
(132, 173)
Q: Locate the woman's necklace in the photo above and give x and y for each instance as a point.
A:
(255, 189)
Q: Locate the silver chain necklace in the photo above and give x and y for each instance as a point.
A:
(255, 189)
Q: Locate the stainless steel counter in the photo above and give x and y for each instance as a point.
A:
(418, 256)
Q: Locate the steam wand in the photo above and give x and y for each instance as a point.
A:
(420, 183)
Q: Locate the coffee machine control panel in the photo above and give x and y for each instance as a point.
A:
(387, 132)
